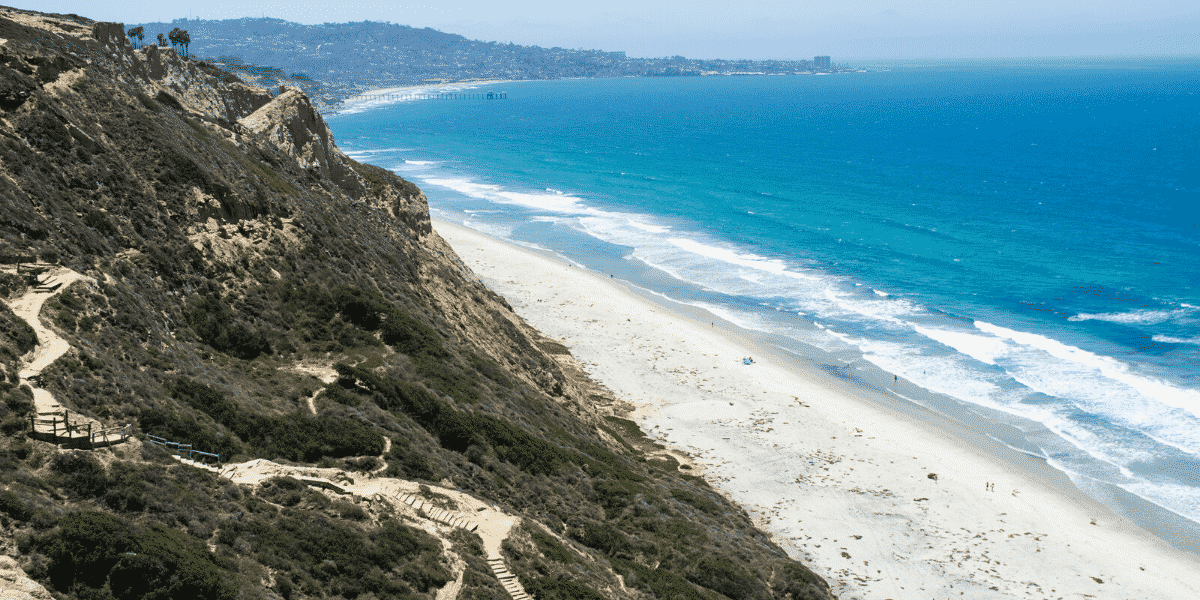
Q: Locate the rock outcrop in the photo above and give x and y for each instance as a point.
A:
(15, 585)
(198, 86)
(293, 125)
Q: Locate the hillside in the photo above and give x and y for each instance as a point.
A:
(188, 257)
(333, 61)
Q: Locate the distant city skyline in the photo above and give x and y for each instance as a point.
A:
(759, 29)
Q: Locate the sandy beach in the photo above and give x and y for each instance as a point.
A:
(886, 504)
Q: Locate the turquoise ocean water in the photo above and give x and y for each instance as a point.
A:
(1023, 239)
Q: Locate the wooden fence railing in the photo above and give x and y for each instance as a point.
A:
(181, 448)
(60, 427)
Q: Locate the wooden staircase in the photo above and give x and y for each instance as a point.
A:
(507, 579)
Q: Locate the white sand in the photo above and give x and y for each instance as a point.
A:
(839, 480)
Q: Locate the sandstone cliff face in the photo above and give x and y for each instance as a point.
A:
(290, 122)
(197, 86)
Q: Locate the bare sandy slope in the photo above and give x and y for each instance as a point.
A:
(837, 478)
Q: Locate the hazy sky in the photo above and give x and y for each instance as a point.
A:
(844, 29)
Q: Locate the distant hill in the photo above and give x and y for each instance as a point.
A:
(209, 269)
(333, 61)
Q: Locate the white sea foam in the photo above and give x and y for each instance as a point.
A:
(1104, 367)
(367, 154)
(889, 312)
(941, 374)
(551, 202)
(750, 261)
(984, 349)
(739, 318)
(650, 228)
(1181, 499)
(1138, 317)
(1166, 339)
(386, 97)
(561, 203)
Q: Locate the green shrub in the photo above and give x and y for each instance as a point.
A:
(409, 336)
(457, 430)
(795, 580)
(723, 576)
(660, 582)
(215, 323)
(337, 393)
(14, 425)
(340, 557)
(696, 501)
(170, 564)
(545, 588)
(296, 436)
(81, 475)
(602, 537)
(126, 488)
(551, 548)
(206, 399)
(407, 463)
(351, 512)
(187, 430)
(157, 562)
(13, 329)
(12, 506)
(19, 400)
(614, 496)
(361, 308)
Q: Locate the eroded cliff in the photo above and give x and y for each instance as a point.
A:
(248, 289)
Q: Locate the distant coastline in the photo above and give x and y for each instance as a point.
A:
(336, 62)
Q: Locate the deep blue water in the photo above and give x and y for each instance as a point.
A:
(1022, 239)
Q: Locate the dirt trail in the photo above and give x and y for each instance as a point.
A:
(323, 372)
(50, 346)
(405, 497)
(13, 582)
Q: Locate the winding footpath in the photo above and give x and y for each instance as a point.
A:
(49, 349)
(13, 582)
(467, 512)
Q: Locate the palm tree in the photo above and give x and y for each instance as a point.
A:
(136, 32)
(180, 37)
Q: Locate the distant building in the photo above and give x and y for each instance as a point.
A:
(821, 62)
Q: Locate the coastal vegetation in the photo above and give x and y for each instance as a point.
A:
(220, 274)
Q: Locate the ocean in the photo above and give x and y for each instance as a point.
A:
(1018, 240)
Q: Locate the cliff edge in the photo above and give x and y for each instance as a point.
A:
(250, 294)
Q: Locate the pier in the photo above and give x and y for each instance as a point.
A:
(399, 96)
